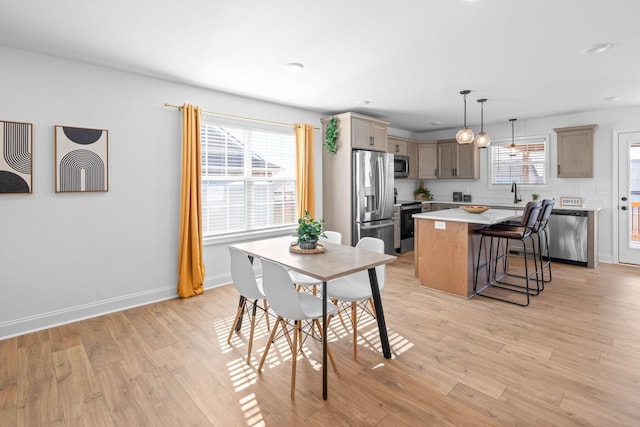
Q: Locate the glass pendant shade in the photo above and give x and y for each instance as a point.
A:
(465, 135)
(513, 149)
(483, 140)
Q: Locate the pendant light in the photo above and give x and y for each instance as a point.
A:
(513, 150)
(482, 139)
(465, 135)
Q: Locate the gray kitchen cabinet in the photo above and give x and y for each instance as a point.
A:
(575, 151)
(396, 145)
(368, 133)
(458, 160)
(427, 160)
(414, 160)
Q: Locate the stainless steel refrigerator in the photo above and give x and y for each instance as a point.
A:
(372, 207)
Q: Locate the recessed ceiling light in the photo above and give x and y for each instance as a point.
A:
(362, 102)
(294, 67)
(596, 48)
(613, 98)
(436, 123)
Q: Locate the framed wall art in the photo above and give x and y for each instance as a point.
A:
(16, 158)
(81, 159)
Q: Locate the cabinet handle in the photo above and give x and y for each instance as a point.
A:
(370, 140)
(558, 169)
(397, 148)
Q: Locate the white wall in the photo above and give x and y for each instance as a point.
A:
(68, 256)
(594, 191)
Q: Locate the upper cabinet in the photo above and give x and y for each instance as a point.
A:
(368, 133)
(412, 152)
(575, 151)
(397, 145)
(428, 160)
(458, 160)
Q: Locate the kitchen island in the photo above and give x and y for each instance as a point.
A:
(446, 247)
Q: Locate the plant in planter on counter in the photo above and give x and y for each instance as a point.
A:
(309, 231)
(535, 196)
(422, 193)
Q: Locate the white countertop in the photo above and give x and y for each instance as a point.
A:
(491, 216)
(521, 205)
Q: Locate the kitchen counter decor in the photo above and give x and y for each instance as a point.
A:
(422, 193)
(475, 209)
(295, 248)
(309, 231)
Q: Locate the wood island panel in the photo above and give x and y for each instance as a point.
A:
(446, 259)
(442, 257)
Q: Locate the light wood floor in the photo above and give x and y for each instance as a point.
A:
(570, 358)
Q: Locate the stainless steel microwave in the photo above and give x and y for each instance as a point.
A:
(400, 166)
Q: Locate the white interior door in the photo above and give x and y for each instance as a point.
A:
(629, 197)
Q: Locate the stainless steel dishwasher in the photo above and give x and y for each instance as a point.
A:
(568, 236)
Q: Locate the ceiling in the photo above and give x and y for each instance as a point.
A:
(409, 59)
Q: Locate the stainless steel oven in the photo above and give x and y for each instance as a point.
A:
(406, 225)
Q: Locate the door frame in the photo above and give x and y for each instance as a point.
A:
(614, 191)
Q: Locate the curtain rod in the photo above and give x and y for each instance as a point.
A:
(179, 107)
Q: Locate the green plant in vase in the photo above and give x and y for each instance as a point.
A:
(535, 196)
(309, 231)
(422, 193)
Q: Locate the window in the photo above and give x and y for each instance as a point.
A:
(527, 167)
(248, 178)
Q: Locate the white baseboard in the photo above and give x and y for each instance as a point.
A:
(63, 316)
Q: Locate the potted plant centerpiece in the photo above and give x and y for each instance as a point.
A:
(309, 231)
(422, 193)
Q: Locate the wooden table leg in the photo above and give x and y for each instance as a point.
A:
(377, 302)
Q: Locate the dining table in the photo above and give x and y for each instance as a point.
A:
(335, 261)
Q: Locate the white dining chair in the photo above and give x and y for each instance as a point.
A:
(355, 288)
(302, 280)
(250, 289)
(291, 305)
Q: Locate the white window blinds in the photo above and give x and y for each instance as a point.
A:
(248, 178)
(527, 167)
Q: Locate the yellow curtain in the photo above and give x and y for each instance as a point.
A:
(190, 265)
(305, 190)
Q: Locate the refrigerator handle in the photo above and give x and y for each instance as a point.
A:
(382, 190)
(373, 227)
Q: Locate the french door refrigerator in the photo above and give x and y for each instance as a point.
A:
(372, 207)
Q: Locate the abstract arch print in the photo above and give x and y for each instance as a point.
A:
(15, 157)
(81, 159)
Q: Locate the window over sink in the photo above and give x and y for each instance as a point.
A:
(528, 167)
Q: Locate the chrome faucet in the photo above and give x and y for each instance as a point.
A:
(514, 190)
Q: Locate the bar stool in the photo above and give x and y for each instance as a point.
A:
(505, 233)
(540, 229)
